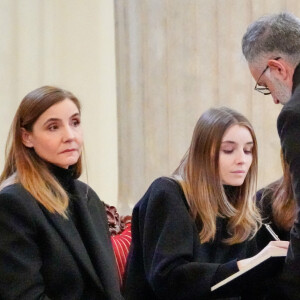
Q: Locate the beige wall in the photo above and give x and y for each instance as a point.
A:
(68, 43)
(176, 59)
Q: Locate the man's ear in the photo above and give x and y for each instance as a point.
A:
(26, 138)
(279, 68)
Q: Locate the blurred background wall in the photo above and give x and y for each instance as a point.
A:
(144, 70)
(175, 59)
(70, 44)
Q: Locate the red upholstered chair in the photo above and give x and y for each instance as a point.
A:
(120, 230)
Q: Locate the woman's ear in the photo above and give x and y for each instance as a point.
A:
(26, 138)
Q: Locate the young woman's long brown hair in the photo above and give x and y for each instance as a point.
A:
(283, 202)
(198, 174)
(22, 164)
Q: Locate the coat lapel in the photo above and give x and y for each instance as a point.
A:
(97, 240)
(71, 237)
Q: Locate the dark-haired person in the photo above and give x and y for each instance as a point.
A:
(278, 208)
(271, 46)
(54, 235)
(196, 227)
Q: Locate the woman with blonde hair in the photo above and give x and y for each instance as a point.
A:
(54, 235)
(197, 227)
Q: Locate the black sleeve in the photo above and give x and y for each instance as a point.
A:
(168, 236)
(289, 132)
(20, 262)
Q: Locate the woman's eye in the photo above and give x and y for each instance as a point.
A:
(76, 122)
(229, 151)
(52, 127)
(247, 151)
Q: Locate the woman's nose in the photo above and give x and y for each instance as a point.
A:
(241, 157)
(68, 134)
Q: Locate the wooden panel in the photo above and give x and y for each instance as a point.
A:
(130, 75)
(155, 90)
(189, 53)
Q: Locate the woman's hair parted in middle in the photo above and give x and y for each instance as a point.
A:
(199, 176)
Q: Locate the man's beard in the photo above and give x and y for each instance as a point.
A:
(282, 92)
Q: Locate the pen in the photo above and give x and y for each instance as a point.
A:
(274, 235)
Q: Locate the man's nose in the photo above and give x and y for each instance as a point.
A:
(275, 100)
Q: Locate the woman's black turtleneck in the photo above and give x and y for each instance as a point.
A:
(64, 176)
(66, 179)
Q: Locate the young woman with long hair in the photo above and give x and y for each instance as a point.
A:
(197, 227)
(277, 205)
(54, 235)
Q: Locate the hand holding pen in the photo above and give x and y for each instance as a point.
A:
(271, 231)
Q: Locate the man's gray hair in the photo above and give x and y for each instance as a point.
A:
(275, 35)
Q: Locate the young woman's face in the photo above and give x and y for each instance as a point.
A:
(57, 135)
(235, 156)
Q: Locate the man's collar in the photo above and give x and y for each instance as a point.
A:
(296, 78)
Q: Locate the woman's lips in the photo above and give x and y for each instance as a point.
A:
(68, 150)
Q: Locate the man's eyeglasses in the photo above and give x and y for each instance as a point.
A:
(263, 89)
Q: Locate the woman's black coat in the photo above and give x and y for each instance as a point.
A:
(46, 256)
